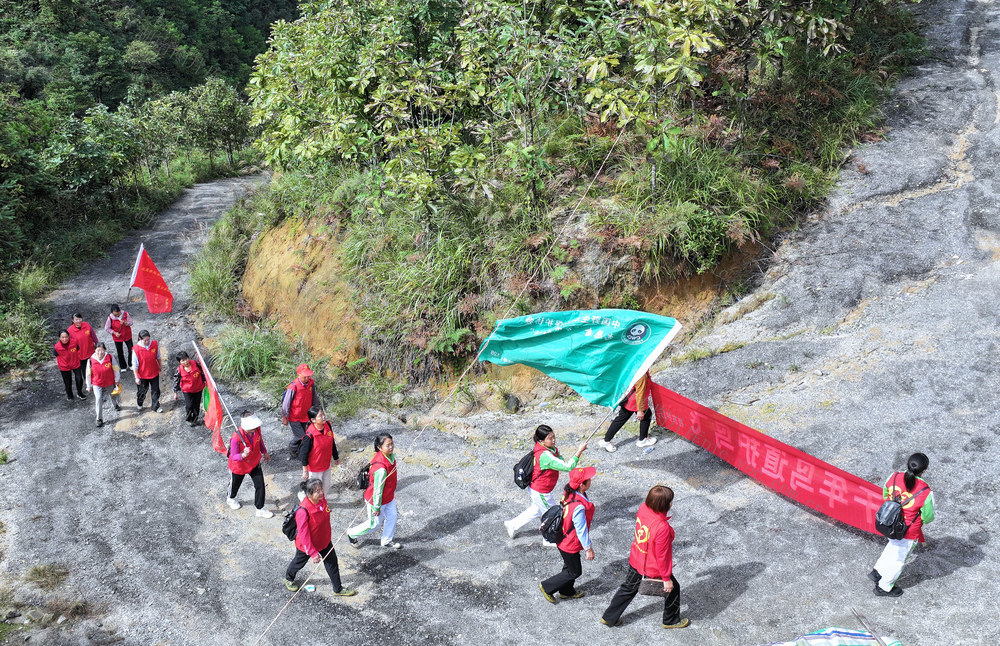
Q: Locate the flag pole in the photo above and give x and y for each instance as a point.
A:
(135, 270)
(208, 374)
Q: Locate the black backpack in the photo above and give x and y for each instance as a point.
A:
(289, 526)
(362, 480)
(524, 470)
(552, 524)
(889, 517)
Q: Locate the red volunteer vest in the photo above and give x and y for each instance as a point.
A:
(322, 450)
(389, 489)
(149, 368)
(83, 338)
(120, 331)
(67, 356)
(543, 481)
(247, 464)
(191, 380)
(652, 546)
(571, 542)
(911, 504)
(631, 403)
(319, 525)
(102, 373)
(302, 402)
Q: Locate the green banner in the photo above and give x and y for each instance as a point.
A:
(598, 353)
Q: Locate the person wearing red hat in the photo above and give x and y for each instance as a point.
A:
(578, 512)
(651, 558)
(295, 407)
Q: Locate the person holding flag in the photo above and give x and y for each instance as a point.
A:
(246, 447)
(295, 407)
(147, 371)
(636, 403)
(119, 326)
(102, 374)
(67, 354)
(189, 380)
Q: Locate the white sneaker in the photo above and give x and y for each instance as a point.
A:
(264, 513)
(607, 446)
(392, 545)
(548, 544)
(159, 410)
(233, 503)
(649, 441)
(302, 496)
(510, 528)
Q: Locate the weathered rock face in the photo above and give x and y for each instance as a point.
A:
(294, 276)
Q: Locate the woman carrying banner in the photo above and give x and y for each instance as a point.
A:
(147, 371)
(313, 538)
(69, 361)
(637, 402)
(544, 477)
(119, 326)
(380, 496)
(918, 508)
(651, 558)
(102, 376)
(318, 449)
(189, 380)
(578, 513)
(246, 447)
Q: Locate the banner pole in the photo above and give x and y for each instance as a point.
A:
(208, 374)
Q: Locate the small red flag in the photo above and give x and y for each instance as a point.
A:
(147, 277)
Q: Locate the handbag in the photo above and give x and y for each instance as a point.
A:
(650, 587)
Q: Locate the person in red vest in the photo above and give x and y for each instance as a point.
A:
(84, 336)
(651, 558)
(380, 496)
(636, 403)
(318, 449)
(67, 354)
(545, 477)
(246, 447)
(119, 326)
(578, 513)
(102, 376)
(313, 538)
(918, 509)
(189, 380)
(295, 407)
(147, 371)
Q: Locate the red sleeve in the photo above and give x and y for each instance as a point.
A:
(663, 551)
(93, 337)
(305, 539)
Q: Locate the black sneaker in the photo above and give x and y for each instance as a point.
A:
(355, 542)
(875, 576)
(81, 396)
(100, 423)
(896, 591)
(69, 397)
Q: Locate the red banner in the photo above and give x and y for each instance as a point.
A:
(147, 277)
(781, 467)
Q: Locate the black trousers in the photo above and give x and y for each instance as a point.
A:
(76, 374)
(153, 386)
(329, 556)
(619, 421)
(121, 355)
(298, 432)
(563, 582)
(630, 588)
(257, 476)
(192, 406)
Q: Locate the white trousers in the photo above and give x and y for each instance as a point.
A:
(539, 503)
(386, 518)
(100, 394)
(890, 563)
(324, 476)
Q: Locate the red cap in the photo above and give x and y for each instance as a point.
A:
(303, 370)
(579, 475)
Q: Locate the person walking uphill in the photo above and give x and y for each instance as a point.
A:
(102, 375)
(918, 509)
(380, 495)
(637, 402)
(189, 380)
(544, 478)
(318, 449)
(246, 447)
(147, 371)
(84, 336)
(651, 558)
(68, 359)
(577, 516)
(313, 538)
(119, 326)
(295, 407)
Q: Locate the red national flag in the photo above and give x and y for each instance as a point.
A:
(214, 411)
(147, 277)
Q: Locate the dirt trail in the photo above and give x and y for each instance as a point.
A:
(873, 335)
